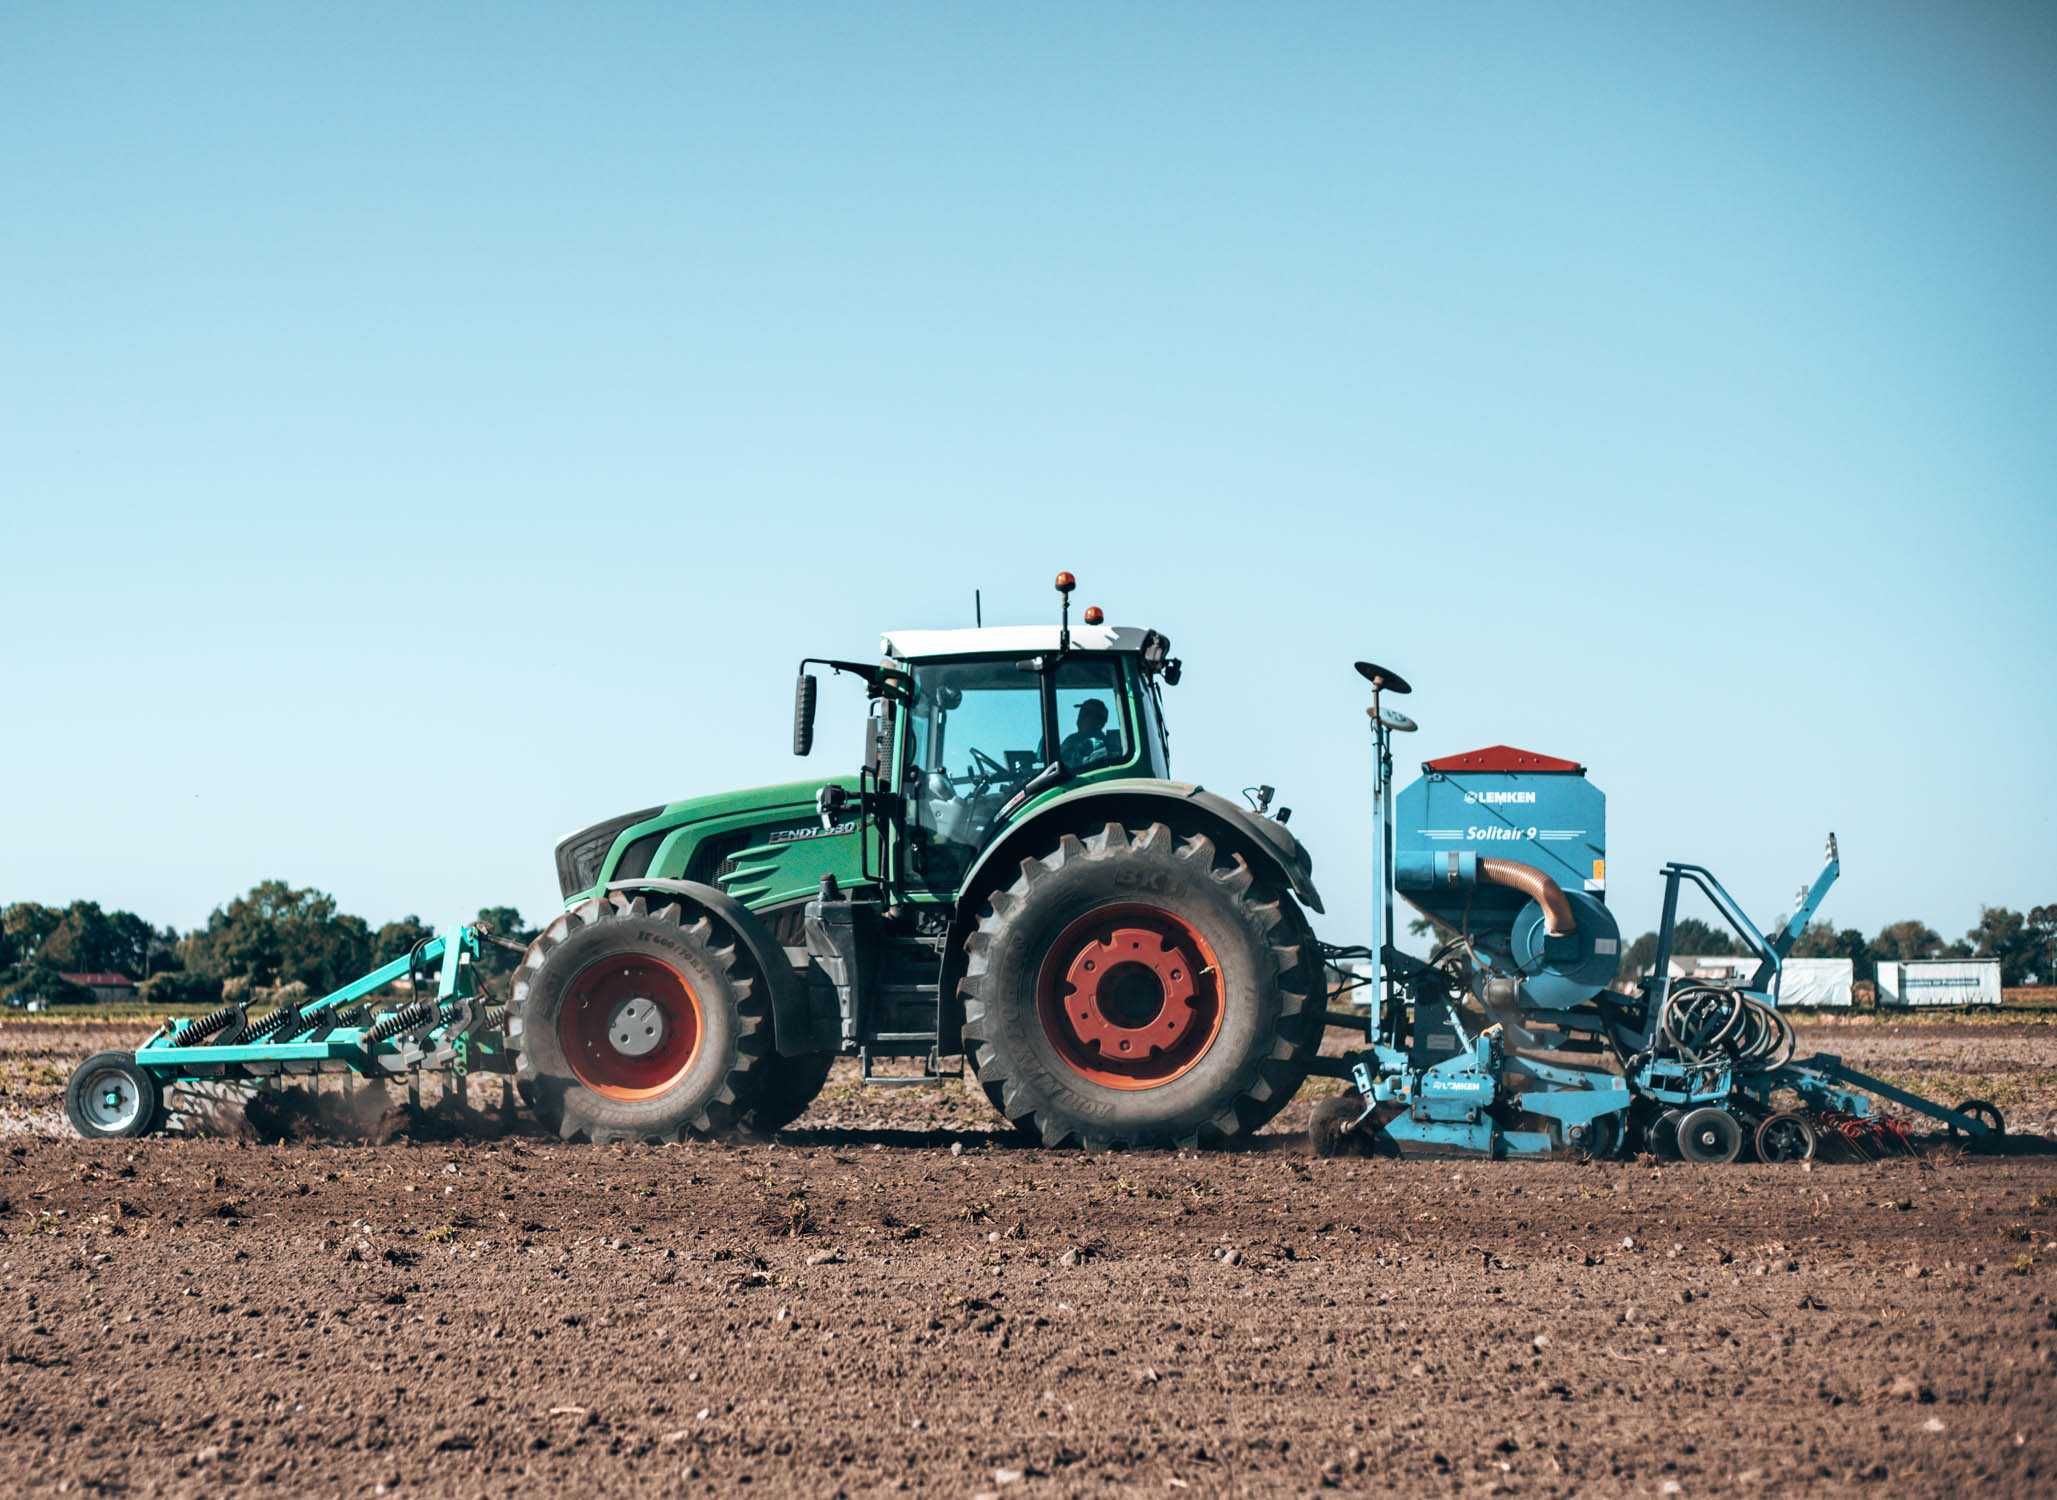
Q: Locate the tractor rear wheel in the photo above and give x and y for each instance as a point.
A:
(1137, 988)
(630, 1023)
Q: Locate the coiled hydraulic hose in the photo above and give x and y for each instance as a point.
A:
(1715, 1024)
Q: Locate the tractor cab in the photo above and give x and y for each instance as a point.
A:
(970, 728)
(989, 719)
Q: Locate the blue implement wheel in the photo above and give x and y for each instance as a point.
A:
(1785, 1136)
(1710, 1135)
(1987, 1115)
(1661, 1135)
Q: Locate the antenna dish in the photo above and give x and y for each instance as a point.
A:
(1384, 679)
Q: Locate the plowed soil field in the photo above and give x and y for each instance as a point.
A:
(892, 1298)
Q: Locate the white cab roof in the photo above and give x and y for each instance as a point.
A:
(916, 645)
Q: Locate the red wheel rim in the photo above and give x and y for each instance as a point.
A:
(629, 1026)
(1130, 996)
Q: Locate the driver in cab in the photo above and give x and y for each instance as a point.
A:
(1090, 744)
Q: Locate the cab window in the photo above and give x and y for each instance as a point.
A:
(975, 734)
(1090, 716)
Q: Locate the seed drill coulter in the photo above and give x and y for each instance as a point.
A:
(1012, 888)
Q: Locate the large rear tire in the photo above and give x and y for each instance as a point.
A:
(1135, 988)
(790, 1086)
(636, 1024)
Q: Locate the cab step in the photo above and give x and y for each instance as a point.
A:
(932, 1069)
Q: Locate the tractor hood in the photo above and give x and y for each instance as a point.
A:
(660, 840)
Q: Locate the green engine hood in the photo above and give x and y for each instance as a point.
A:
(763, 844)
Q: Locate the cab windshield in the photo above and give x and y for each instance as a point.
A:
(975, 735)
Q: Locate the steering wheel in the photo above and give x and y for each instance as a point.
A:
(985, 771)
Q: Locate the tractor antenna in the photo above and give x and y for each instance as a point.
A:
(978, 610)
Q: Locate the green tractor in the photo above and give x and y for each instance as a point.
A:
(1011, 880)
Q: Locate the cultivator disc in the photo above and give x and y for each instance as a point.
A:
(1662, 1134)
(207, 1106)
(1596, 1140)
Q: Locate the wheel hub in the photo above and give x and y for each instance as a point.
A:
(636, 1026)
(110, 1100)
(1131, 995)
(629, 1026)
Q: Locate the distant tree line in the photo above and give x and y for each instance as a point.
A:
(2024, 943)
(273, 935)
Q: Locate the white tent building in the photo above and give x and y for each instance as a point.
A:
(1823, 982)
(1939, 981)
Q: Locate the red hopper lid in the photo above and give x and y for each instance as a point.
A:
(1503, 758)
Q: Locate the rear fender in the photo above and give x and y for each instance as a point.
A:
(795, 1025)
(1265, 842)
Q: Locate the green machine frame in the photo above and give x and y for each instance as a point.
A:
(451, 1026)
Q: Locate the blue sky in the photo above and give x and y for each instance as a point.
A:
(424, 430)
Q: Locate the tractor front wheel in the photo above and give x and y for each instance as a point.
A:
(1139, 988)
(790, 1085)
(630, 1023)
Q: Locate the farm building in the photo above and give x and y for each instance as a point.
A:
(1939, 981)
(105, 985)
(1824, 982)
(1827, 982)
(1717, 968)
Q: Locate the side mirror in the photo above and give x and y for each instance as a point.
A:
(803, 713)
(878, 742)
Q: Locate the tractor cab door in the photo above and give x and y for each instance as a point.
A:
(975, 731)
